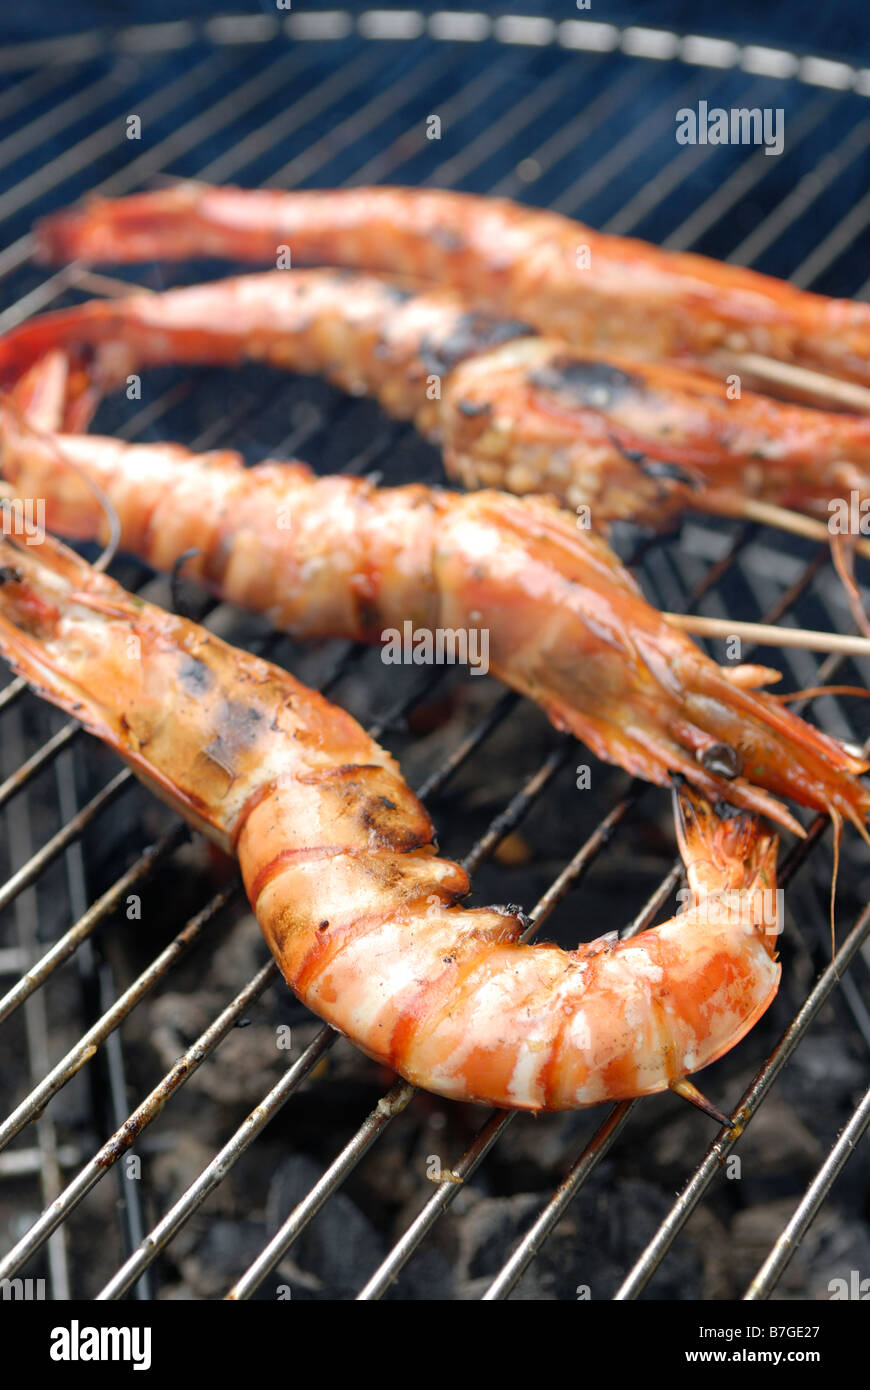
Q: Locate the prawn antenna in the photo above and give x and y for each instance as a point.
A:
(837, 822)
(843, 556)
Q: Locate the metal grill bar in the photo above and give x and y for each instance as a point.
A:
(764, 1281)
(29, 872)
(36, 1031)
(217, 1170)
(745, 177)
(392, 1104)
(113, 1149)
(626, 151)
(750, 1101)
(60, 170)
(254, 147)
(386, 163)
(97, 980)
(657, 190)
(561, 143)
(85, 1049)
(37, 974)
(511, 1272)
(810, 187)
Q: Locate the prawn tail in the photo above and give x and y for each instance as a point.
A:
(50, 365)
(40, 395)
(730, 863)
(34, 597)
(35, 465)
(728, 853)
(106, 230)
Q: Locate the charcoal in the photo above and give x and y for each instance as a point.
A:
(339, 1244)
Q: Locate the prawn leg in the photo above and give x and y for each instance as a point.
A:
(690, 1092)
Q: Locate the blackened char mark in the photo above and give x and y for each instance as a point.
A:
(194, 675)
(473, 408)
(397, 294)
(671, 472)
(586, 383)
(578, 381)
(447, 239)
(658, 469)
(467, 336)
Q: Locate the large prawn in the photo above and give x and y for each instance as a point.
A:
(339, 864)
(593, 290)
(616, 438)
(566, 624)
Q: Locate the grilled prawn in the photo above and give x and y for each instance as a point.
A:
(339, 864)
(593, 290)
(566, 624)
(510, 409)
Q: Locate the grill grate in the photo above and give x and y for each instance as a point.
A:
(574, 116)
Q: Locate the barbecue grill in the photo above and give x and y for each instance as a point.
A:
(154, 1145)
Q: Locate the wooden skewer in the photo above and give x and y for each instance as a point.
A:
(769, 514)
(770, 635)
(849, 395)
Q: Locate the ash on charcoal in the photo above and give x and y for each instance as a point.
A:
(340, 1248)
(222, 1253)
(590, 1250)
(830, 1249)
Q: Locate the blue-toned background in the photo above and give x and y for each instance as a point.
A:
(838, 28)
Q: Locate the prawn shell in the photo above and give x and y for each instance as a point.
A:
(338, 861)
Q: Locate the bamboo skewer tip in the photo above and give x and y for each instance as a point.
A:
(768, 634)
